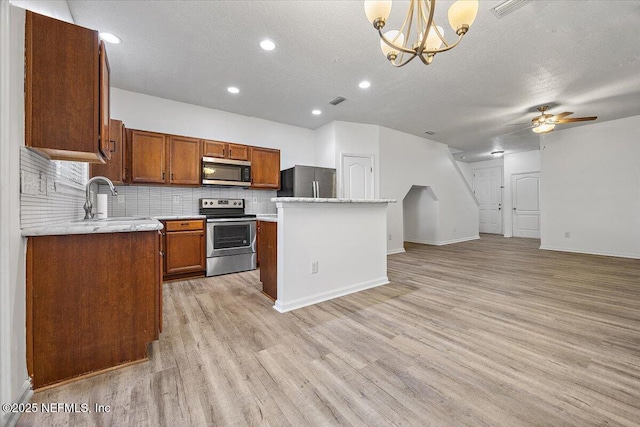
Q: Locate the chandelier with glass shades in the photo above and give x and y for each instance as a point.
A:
(419, 35)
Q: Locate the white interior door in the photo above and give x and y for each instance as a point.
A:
(526, 204)
(487, 186)
(357, 177)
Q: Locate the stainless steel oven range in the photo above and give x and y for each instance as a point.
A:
(231, 236)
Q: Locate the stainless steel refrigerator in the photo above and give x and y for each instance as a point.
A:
(308, 181)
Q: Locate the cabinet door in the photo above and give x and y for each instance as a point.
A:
(269, 258)
(62, 89)
(184, 160)
(147, 156)
(265, 168)
(214, 148)
(184, 252)
(114, 169)
(237, 152)
(105, 142)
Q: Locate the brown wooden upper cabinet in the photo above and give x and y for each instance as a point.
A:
(147, 155)
(115, 169)
(224, 150)
(265, 168)
(66, 91)
(184, 160)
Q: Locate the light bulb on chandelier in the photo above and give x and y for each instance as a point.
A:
(402, 46)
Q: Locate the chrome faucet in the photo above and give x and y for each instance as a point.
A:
(87, 204)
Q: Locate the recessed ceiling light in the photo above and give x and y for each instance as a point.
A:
(232, 89)
(316, 112)
(364, 84)
(267, 44)
(110, 38)
(497, 153)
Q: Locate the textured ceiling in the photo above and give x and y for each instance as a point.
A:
(580, 56)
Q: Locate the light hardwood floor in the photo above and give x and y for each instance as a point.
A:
(492, 332)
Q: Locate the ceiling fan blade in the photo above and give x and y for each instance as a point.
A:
(561, 115)
(519, 130)
(518, 124)
(576, 119)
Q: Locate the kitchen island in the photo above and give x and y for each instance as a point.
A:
(327, 248)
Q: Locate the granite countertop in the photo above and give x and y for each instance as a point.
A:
(110, 225)
(321, 200)
(267, 217)
(178, 217)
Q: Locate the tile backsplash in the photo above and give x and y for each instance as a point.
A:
(159, 201)
(51, 191)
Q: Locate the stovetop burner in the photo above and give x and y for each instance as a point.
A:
(216, 209)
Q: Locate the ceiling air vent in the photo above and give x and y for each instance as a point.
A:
(429, 132)
(507, 7)
(337, 100)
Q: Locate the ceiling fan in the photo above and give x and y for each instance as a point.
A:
(546, 122)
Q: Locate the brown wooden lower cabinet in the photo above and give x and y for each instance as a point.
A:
(87, 312)
(184, 249)
(268, 250)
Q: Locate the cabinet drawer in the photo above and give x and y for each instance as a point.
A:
(185, 225)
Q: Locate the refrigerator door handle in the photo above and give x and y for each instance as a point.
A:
(317, 188)
(315, 193)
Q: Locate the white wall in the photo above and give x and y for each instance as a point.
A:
(407, 160)
(486, 164)
(14, 384)
(590, 187)
(421, 216)
(139, 111)
(467, 172)
(325, 146)
(58, 9)
(528, 161)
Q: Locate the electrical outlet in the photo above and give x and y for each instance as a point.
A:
(567, 234)
(389, 236)
(255, 200)
(176, 200)
(120, 198)
(314, 267)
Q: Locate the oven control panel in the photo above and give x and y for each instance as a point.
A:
(222, 203)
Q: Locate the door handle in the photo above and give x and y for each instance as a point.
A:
(317, 188)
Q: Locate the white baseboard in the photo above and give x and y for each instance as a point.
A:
(10, 419)
(325, 296)
(444, 242)
(396, 251)
(581, 251)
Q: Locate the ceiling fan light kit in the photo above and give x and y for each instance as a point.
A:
(419, 36)
(545, 123)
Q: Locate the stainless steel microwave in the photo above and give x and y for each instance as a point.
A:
(226, 172)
